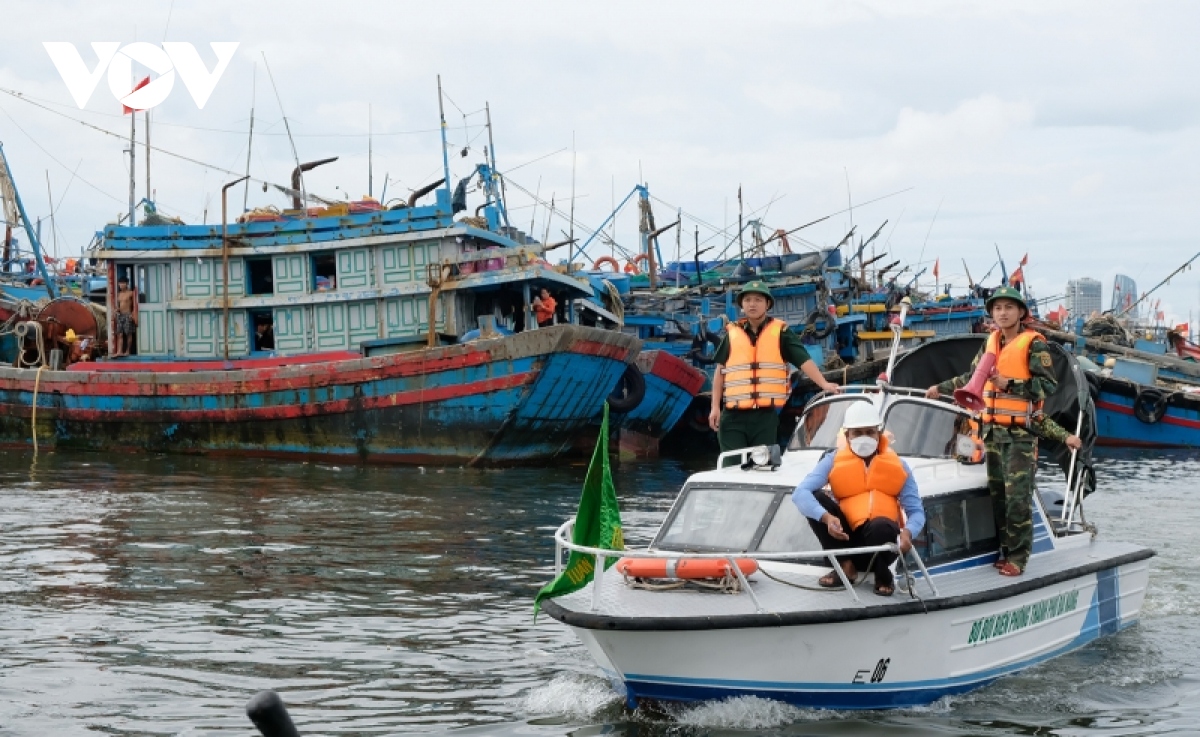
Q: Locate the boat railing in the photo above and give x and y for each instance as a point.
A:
(563, 542)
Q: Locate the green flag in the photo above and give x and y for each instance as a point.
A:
(597, 524)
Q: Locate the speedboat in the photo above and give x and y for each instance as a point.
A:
(753, 620)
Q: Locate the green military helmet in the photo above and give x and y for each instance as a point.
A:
(1007, 293)
(755, 287)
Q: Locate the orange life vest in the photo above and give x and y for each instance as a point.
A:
(756, 376)
(863, 491)
(1012, 362)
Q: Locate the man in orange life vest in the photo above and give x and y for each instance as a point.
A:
(1022, 379)
(751, 383)
(869, 485)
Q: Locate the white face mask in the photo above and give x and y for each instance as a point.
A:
(864, 445)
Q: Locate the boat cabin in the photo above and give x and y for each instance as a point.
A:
(330, 280)
(749, 508)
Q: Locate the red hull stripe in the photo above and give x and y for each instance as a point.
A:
(1166, 419)
(184, 367)
(313, 376)
(288, 412)
(603, 350)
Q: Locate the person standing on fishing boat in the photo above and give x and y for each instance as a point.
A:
(750, 384)
(869, 485)
(1012, 418)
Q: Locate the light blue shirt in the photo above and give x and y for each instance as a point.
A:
(910, 498)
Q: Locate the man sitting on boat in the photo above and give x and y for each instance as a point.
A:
(868, 486)
(1012, 418)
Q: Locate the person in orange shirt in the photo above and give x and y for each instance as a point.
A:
(543, 308)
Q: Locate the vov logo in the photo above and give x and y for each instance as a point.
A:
(172, 57)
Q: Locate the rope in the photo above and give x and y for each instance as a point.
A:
(37, 382)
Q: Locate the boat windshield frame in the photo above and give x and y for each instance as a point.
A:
(779, 492)
(892, 399)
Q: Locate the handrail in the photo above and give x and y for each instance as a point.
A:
(602, 554)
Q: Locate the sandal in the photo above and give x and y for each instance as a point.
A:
(1010, 569)
(885, 585)
(830, 581)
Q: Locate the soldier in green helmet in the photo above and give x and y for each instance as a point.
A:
(751, 381)
(1012, 420)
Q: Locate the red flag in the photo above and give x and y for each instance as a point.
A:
(1182, 328)
(936, 264)
(1024, 260)
(1017, 277)
(1159, 316)
(125, 110)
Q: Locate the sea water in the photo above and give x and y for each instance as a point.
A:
(155, 595)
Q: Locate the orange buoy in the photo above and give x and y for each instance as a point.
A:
(687, 568)
(606, 260)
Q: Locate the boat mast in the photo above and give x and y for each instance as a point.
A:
(370, 159)
(492, 155)
(445, 150)
(132, 157)
(7, 183)
(250, 140)
(149, 196)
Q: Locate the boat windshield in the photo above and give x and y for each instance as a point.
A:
(917, 428)
(714, 518)
(819, 426)
(928, 430)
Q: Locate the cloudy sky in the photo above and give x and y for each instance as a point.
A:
(1065, 130)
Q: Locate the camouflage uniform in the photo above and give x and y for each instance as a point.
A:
(1011, 454)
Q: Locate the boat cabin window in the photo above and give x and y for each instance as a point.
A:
(259, 276)
(927, 430)
(324, 269)
(819, 426)
(957, 526)
(739, 518)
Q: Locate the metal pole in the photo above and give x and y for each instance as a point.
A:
(250, 141)
(445, 150)
(34, 241)
(132, 169)
(225, 260)
(148, 190)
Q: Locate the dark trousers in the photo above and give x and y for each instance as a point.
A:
(875, 531)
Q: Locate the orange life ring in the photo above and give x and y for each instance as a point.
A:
(687, 568)
(606, 260)
(634, 266)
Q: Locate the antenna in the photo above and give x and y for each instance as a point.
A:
(148, 190)
(53, 230)
(931, 222)
(288, 128)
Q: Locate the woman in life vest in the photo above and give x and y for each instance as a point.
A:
(751, 381)
(1012, 421)
(869, 485)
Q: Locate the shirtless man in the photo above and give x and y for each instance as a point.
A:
(126, 317)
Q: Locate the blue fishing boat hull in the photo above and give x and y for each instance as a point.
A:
(1168, 419)
(508, 400)
(671, 384)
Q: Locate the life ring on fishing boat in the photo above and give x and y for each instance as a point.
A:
(634, 267)
(629, 392)
(817, 316)
(690, 569)
(606, 260)
(1151, 404)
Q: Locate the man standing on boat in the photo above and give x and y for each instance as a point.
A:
(1012, 419)
(750, 384)
(868, 486)
(127, 317)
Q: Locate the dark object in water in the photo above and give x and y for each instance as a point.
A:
(268, 713)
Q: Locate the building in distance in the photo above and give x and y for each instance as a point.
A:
(1084, 297)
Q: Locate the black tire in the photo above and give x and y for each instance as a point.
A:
(629, 392)
(1150, 405)
(816, 316)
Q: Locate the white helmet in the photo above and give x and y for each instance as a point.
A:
(860, 414)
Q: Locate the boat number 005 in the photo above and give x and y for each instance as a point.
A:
(876, 675)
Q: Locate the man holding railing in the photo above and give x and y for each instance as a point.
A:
(869, 485)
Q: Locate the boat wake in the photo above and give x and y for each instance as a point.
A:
(745, 712)
(572, 696)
